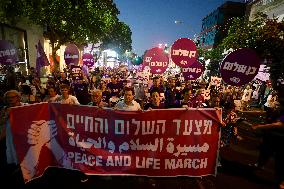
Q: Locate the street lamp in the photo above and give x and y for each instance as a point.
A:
(195, 36)
(178, 22)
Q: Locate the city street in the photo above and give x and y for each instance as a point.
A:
(142, 94)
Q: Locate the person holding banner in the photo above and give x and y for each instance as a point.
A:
(9, 167)
(155, 102)
(128, 103)
(187, 101)
(65, 97)
(198, 100)
(96, 97)
(52, 95)
(273, 136)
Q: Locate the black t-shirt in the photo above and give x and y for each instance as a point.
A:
(105, 96)
(150, 105)
(115, 88)
(82, 94)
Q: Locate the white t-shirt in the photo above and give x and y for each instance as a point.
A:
(134, 106)
(247, 95)
(70, 100)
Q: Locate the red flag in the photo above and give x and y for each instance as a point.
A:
(41, 59)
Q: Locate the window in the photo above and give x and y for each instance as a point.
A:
(17, 37)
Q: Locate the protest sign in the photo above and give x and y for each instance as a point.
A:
(71, 54)
(240, 67)
(183, 52)
(106, 142)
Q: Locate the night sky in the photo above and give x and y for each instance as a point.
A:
(153, 21)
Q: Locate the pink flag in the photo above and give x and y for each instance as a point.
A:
(41, 59)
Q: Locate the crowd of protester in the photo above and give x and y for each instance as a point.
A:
(121, 90)
(173, 92)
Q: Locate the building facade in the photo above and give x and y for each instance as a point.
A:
(216, 24)
(24, 37)
(272, 8)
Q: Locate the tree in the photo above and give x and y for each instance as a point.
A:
(215, 56)
(11, 11)
(266, 36)
(119, 40)
(78, 21)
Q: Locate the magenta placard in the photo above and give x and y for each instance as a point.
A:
(71, 54)
(149, 55)
(88, 59)
(8, 53)
(240, 67)
(193, 72)
(183, 52)
(158, 60)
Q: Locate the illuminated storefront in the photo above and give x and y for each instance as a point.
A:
(18, 37)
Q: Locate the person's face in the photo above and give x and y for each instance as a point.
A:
(63, 76)
(186, 96)
(172, 83)
(156, 82)
(94, 78)
(12, 99)
(51, 92)
(198, 93)
(103, 85)
(128, 97)
(64, 92)
(237, 89)
(113, 80)
(96, 97)
(216, 102)
(155, 98)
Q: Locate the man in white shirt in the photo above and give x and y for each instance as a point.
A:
(128, 103)
(65, 97)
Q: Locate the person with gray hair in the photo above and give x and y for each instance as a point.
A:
(96, 99)
(12, 98)
(8, 158)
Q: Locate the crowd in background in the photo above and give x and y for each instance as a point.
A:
(110, 83)
(122, 90)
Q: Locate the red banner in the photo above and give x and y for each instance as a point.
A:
(107, 142)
